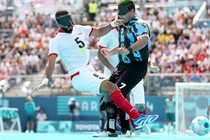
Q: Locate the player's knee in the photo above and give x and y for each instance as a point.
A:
(108, 87)
(140, 107)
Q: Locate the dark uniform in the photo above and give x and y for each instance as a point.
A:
(132, 68)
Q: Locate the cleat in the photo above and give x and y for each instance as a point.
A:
(142, 120)
(105, 134)
(101, 134)
(114, 134)
(127, 134)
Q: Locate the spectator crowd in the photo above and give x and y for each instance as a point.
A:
(27, 49)
(177, 45)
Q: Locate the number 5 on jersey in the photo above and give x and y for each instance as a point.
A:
(80, 42)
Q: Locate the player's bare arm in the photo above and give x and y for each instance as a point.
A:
(101, 31)
(138, 45)
(107, 52)
(104, 60)
(48, 72)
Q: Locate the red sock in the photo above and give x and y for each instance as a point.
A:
(123, 104)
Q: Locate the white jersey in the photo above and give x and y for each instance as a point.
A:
(110, 41)
(41, 116)
(72, 47)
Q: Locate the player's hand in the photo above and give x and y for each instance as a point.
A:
(123, 51)
(113, 69)
(119, 22)
(105, 52)
(154, 69)
(42, 85)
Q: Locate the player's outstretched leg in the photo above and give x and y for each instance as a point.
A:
(120, 101)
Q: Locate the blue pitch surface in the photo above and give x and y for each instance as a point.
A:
(88, 136)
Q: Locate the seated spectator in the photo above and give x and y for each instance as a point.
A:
(167, 82)
(195, 78)
(41, 115)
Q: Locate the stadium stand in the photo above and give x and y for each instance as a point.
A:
(177, 45)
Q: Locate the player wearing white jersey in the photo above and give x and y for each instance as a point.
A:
(69, 43)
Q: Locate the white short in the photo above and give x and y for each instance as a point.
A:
(86, 81)
(137, 94)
